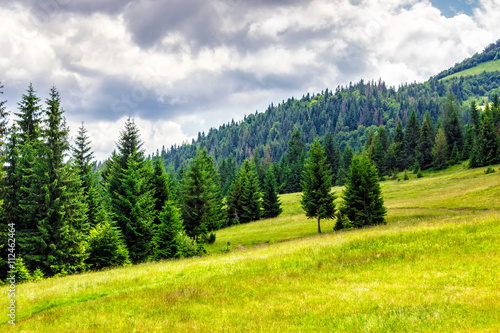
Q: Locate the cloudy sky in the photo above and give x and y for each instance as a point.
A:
(183, 66)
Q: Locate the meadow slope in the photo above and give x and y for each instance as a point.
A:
(434, 267)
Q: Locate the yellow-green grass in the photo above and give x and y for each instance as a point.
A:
(434, 267)
(489, 66)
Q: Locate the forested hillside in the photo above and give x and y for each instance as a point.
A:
(347, 113)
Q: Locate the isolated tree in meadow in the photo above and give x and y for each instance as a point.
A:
(271, 204)
(317, 199)
(363, 202)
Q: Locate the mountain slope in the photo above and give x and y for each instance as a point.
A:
(347, 113)
(434, 267)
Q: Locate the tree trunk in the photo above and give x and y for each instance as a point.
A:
(319, 226)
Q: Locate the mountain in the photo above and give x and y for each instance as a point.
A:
(347, 113)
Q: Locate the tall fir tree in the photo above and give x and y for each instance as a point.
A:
(363, 202)
(295, 156)
(201, 200)
(251, 196)
(412, 135)
(83, 160)
(399, 147)
(440, 150)
(317, 198)
(487, 145)
(271, 204)
(332, 156)
(168, 229)
(63, 229)
(130, 194)
(425, 143)
(452, 126)
(163, 189)
(475, 117)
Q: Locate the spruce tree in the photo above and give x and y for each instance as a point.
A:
(163, 188)
(169, 227)
(425, 143)
(452, 127)
(130, 194)
(62, 230)
(475, 117)
(271, 204)
(3, 125)
(332, 156)
(317, 199)
(106, 247)
(201, 201)
(295, 156)
(399, 147)
(412, 135)
(363, 203)
(488, 141)
(440, 150)
(83, 160)
(455, 155)
(251, 196)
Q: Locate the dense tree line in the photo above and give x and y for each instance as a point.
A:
(72, 215)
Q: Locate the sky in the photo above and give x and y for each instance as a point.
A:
(179, 67)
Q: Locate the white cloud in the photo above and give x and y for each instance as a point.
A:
(241, 57)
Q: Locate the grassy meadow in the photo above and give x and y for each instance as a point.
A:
(434, 267)
(490, 66)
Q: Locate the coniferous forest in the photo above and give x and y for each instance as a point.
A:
(73, 214)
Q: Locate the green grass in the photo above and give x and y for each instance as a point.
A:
(434, 267)
(490, 66)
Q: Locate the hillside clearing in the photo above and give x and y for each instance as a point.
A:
(433, 267)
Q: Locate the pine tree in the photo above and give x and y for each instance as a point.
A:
(295, 156)
(259, 169)
(469, 142)
(130, 195)
(317, 199)
(332, 156)
(201, 201)
(163, 188)
(363, 202)
(83, 159)
(271, 204)
(488, 141)
(452, 127)
(412, 135)
(251, 195)
(345, 165)
(440, 150)
(29, 116)
(475, 117)
(425, 143)
(455, 155)
(61, 243)
(399, 147)
(106, 247)
(169, 227)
